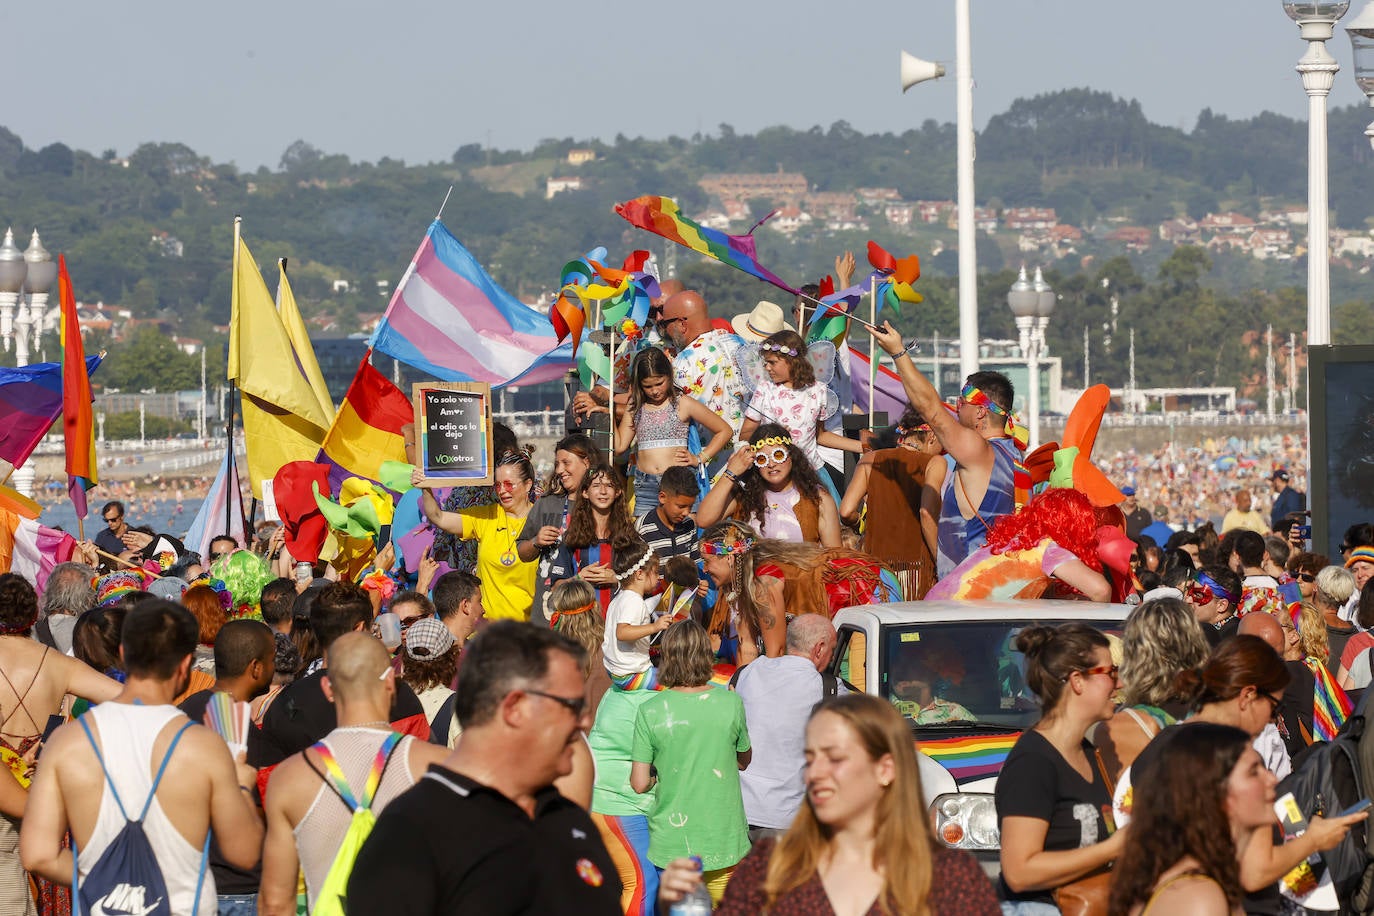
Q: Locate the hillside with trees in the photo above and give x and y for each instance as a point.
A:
(151, 231)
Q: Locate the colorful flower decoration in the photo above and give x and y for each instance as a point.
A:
(631, 331)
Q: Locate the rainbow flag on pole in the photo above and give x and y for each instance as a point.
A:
(78, 426)
(449, 318)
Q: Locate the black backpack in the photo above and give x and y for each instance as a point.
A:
(1327, 778)
(127, 878)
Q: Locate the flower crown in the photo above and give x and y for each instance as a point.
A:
(779, 348)
(770, 441)
(629, 574)
(729, 544)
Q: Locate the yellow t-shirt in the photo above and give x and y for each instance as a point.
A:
(507, 583)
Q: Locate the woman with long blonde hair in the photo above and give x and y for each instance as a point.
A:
(862, 842)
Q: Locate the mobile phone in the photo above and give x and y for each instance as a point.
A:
(1305, 532)
(1356, 808)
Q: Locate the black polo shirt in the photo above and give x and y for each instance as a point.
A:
(452, 845)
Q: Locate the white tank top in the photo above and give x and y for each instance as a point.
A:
(126, 733)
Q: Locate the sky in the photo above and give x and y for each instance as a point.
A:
(415, 80)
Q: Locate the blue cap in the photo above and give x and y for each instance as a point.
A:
(1128, 491)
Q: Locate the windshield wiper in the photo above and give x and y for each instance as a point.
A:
(965, 725)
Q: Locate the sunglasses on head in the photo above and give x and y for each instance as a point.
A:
(775, 455)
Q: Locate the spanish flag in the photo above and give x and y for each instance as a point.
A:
(367, 428)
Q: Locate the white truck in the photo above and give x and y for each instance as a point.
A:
(952, 668)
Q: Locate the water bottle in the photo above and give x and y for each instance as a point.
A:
(697, 903)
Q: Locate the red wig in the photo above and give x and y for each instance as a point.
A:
(1059, 513)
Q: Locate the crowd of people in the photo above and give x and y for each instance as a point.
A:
(612, 690)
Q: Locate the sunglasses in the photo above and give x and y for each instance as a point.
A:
(111, 519)
(1274, 703)
(666, 323)
(504, 485)
(575, 706)
(1110, 670)
(776, 455)
(1198, 593)
(1306, 577)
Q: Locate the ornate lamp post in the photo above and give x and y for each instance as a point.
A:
(1031, 304)
(1361, 33)
(13, 270)
(1317, 21)
(42, 275)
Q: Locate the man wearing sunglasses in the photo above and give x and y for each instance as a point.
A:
(983, 439)
(705, 365)
(487, 831)
(1213, 596)
(111, 538)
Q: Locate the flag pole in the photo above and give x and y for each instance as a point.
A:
(872, 348)
(229, 412)
(449, 193)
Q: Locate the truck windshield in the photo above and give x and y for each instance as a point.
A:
(968, 672)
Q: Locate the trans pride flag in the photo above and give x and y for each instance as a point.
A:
(30, 400)
(450, 319)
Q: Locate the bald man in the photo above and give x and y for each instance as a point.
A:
(778, 694)
(705, 365)
(306, 818)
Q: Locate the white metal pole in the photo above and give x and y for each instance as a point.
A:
(1087, 382)
(873, 351)
(968, 241)
(1269, 372)
(1318, 69)
(1033, 390)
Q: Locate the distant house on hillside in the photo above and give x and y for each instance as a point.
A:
(1266, 244)
(932, 211)
(899, 214)
(1226, 224)
(1135, 238)
(984, 219)
(789, 220)
(833, 205)
(872, 197)
(778, 187)
(166, 245)
(555, 186)
(713, 219)
(1180, 231)
(1021, 219)
(581, 155)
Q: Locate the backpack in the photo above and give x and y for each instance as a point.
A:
(334, 891)
(126, 878)
(1327, 778)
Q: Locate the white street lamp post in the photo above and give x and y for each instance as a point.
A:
(915, 71)
(1317, 21)
(13, 270)
(1031, 304)
(1361, 32)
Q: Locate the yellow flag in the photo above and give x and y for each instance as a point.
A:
(283, 419)
(300, 341)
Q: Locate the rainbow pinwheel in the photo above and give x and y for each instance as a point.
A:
(895, 277)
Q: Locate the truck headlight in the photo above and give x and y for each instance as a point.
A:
(966, 821)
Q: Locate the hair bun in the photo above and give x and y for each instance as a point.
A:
(1189, 684)
(1032, 640)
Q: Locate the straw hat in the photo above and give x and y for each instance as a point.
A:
(765, 319)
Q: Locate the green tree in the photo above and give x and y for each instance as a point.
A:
(148, 360)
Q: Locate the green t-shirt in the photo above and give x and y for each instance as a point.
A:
(692, 739)
(610, 740)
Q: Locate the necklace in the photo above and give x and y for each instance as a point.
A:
(509, 557)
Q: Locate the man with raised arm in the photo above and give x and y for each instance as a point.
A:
(983, 440)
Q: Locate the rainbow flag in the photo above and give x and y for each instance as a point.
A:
(30, 400)
(1330, 705)
(450, 319)
(367, 427)
(970, 757)
(662, 216)
(78, 426)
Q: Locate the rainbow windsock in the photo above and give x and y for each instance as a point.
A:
(662, 216)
